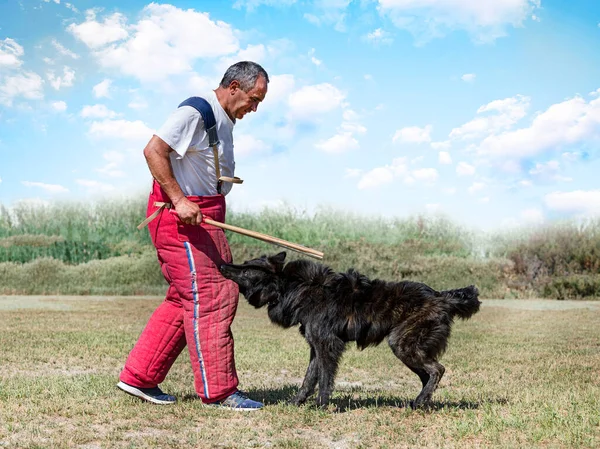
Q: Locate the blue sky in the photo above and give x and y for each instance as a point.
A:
(486, 111)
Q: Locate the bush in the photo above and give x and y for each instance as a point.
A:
(572, 287)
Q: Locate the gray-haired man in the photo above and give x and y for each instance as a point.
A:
(200, 303)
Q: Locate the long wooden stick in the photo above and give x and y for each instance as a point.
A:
(267, 238)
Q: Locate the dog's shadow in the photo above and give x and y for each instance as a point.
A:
(346, 401)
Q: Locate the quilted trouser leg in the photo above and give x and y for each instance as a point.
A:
(208, 317)
(159, 345)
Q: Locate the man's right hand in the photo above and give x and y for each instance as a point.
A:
(188, 211)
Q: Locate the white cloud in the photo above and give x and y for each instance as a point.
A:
(51, 188)
(353, 172)
(247, 145)
(10, 53)
(484, 20)
(165, 41)
(464, 169)
(102, 89)
(584, 202)
(385, 175)
(309, 101)
(376, 177)
(444, 158)
(413, 134)
(449, 190)
(97, 111)
(468, 77)
(505, 113)
(61, 81)
(351, 123)
(121, 129)
(138, 104)
(114, 161)
(253, 4)
(95, 186)
(445, 145)
(340, 143)
(476, 187)
(59, 106)
(572, 156)
(257, 53)
(428, 175)
(379, 37)
(279, 90)
(64, 51)
(27, 85)
(313, 59)
(564, 124)
(542, 168)
(329, 12)
(97, 34)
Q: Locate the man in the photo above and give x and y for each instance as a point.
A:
(200, 304)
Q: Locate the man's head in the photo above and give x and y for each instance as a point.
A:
(242, 88)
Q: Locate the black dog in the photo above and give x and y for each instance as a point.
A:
(335, 308)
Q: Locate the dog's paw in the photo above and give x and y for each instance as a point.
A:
(297, 401)
(421, 405)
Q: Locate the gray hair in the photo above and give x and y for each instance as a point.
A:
(244, 72)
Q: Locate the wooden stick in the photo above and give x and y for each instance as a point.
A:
(267, 238)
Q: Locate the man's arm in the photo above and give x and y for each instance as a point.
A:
(157, 156)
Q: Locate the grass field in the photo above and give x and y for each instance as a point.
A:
(519, 374)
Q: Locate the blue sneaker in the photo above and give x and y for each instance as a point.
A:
(154, 395)
(237, 401)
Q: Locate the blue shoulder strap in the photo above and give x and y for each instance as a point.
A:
(210, 124)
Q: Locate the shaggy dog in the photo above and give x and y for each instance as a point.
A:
(333, 309)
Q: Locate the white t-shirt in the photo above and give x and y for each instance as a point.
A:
(192, 159)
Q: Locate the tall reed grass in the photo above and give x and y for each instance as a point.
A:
(560, 260)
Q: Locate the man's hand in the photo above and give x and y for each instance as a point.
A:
(188, 212)
(157, 155)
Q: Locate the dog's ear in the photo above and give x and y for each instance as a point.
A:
(277, 261)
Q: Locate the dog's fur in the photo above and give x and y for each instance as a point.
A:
(335, 308)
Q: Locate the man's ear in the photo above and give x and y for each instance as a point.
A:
(278, 260)
(234, 86)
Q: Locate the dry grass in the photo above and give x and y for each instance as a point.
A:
(515, 378)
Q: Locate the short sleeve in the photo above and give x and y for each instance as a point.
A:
(179, 129)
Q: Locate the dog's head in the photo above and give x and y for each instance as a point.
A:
(259, 279)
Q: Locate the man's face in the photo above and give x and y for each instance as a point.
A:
(245, 102)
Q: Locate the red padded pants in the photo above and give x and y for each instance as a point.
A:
(199, 306)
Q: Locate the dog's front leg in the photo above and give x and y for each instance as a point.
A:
(328, 352)
(310, 380)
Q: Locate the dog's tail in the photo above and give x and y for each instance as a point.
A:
(464, 302)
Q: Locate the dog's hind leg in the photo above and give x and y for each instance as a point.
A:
(436, 371)
(429, 370)
(310, 380)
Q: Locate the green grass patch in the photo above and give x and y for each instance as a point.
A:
(514, 378)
